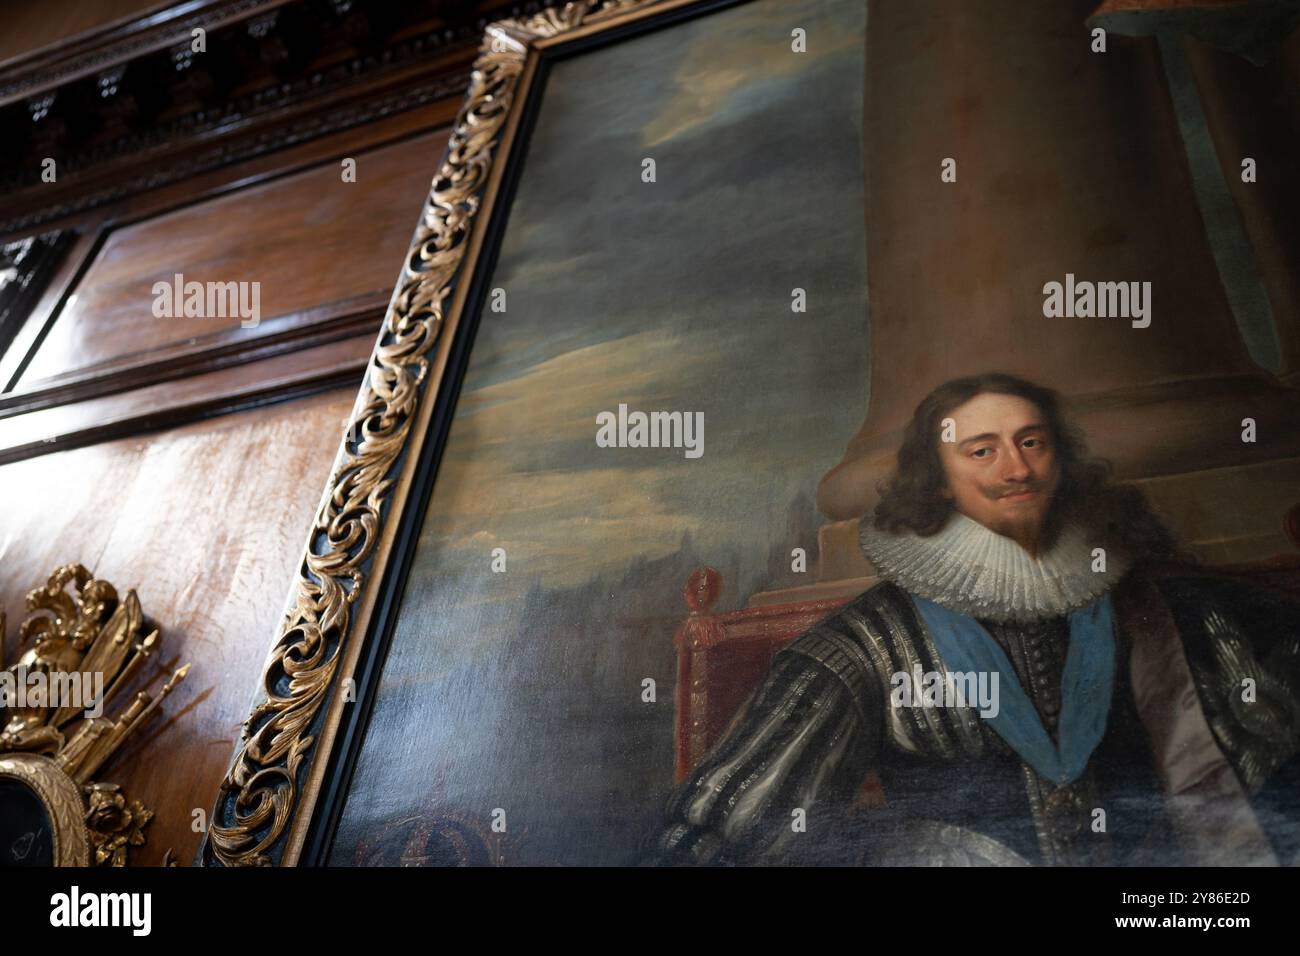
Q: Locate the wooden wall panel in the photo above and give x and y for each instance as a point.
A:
(180, 400)
(207, 523)
(184, 458)
(31, 26)
(308, 239)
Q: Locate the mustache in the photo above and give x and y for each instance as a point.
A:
(1001, 491)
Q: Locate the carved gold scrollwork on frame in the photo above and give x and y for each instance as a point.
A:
(262, 792)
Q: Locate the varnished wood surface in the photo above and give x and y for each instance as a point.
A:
(206, 522)
(299, 330)
(185, 458)
(181, 400)
(30, 28)
(127, 108)
(383, 130)
(308, 239)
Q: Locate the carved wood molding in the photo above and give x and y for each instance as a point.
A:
(26, 266)
(210, 352)
(135, 108)
(117, 43)
(279, 378)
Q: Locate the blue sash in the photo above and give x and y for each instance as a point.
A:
(1086, 685)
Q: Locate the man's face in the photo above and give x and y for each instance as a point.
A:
(1001, 468)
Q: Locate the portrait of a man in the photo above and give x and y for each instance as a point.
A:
(1048, 616)
(1144, 710)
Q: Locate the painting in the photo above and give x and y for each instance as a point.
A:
(829, 444)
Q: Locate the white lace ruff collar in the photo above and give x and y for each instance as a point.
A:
(971, 570)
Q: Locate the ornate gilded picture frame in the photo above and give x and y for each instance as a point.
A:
(546, 616)
(283, 792)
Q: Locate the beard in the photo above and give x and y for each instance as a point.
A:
(1038, 520)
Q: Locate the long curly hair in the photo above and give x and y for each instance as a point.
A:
(912, 498)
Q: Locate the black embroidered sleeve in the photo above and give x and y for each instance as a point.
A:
(803, 742)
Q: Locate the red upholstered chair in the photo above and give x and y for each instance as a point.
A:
(722, 657)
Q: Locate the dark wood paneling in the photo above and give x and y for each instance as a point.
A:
(186, 399)
(206, 523)
(308, 239)
(131, 107)
(218, 350)
(31, 27)
(185, 458)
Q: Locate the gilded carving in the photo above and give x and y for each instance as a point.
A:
(82, 647)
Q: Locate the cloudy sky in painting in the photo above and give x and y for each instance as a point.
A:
(673, 295)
